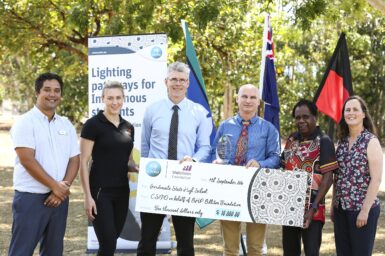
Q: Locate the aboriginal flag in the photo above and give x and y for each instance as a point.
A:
(336, 85)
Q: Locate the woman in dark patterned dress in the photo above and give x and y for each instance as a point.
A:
(356, 205)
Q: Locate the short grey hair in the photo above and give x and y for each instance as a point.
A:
(178, 67)
(112, 85)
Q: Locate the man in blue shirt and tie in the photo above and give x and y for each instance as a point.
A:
(254, 143)
(173, 128)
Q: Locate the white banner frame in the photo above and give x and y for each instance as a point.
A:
(139, 62)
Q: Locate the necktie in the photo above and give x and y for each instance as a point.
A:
(173, 135)
(240, 153)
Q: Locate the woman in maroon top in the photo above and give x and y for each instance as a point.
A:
(356, 206)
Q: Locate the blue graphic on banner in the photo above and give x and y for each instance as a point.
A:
(156, 52)
(109, 50)
(126, 44)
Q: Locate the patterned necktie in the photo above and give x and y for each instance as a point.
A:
(173, 135)
(240, 154)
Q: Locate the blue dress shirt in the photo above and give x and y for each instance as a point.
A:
(194, 129)
(263, 140)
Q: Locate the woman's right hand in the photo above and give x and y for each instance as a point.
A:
(90, 207)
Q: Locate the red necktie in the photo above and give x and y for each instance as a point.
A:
(240, 154)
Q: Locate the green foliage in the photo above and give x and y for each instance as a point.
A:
(365, 37)
(307, 11)
(41, 36)
(51, 35)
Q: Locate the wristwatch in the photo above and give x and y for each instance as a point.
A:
(314, 206)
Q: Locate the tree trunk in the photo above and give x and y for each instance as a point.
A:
(228, 101)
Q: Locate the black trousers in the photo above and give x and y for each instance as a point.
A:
(112, 207)
(311, 237)
(151, 225)
(353, 241)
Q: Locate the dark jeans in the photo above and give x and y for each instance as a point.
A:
(311, 237)
(353, 241)
(112, 207)
(151, 224)
(34, 222)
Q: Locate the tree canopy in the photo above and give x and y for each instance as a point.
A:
(51, 35)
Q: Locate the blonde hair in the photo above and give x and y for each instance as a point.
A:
(112, 85)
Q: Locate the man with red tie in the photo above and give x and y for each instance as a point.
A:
(254, 143)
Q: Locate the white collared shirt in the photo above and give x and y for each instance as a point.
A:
(54, 142)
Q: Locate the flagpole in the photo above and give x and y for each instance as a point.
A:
(263, 58)
(261, 85)
(183, 26)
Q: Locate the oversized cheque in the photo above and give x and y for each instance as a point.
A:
(225, 192)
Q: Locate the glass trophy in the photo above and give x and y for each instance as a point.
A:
(223, 150)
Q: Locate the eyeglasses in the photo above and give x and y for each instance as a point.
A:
(176, 80)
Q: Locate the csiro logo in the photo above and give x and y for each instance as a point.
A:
(153, 168)
(156, 52)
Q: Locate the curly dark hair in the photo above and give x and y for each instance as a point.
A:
(343, 129)
(310, 105)
(48, 76)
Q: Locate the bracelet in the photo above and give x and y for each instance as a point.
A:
(132, 165)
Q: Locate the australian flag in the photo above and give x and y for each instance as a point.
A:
(268, 83)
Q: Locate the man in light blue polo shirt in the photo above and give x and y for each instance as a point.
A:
(188, 139)
(254, 143)
(47, 162)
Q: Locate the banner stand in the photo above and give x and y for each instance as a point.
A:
(139, 62)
